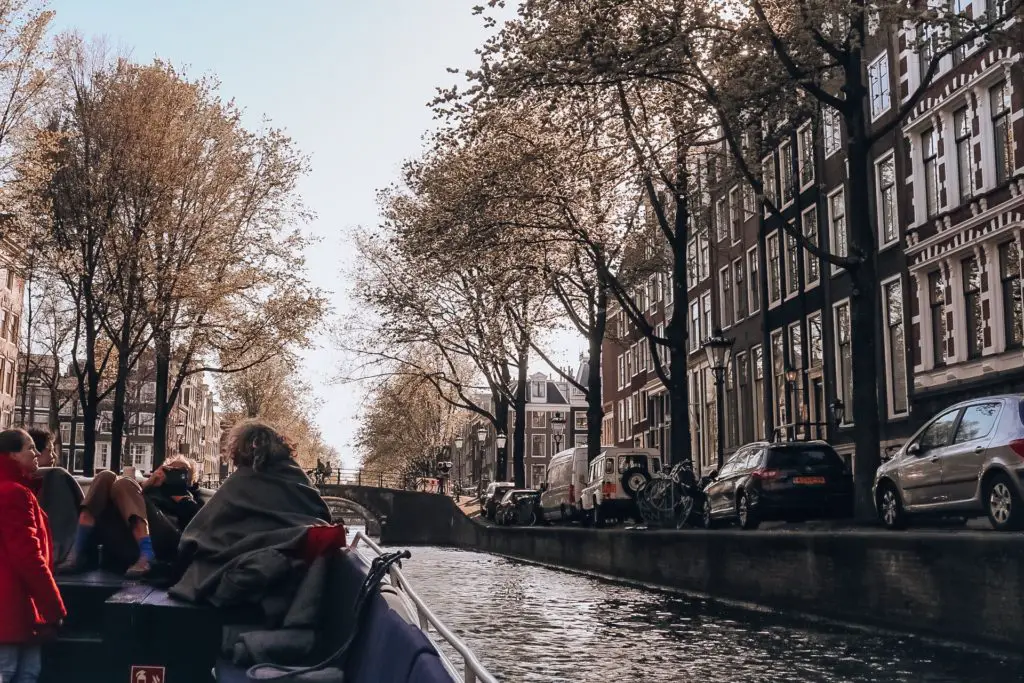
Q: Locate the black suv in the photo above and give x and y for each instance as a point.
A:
(792, 480)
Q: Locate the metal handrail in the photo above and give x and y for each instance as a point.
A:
(473, 670)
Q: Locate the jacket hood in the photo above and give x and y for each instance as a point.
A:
(10, 470)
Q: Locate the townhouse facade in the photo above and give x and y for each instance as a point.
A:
(12, 295)
(194, 415)
(948, 197)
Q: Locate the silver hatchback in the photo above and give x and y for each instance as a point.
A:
(967, 461)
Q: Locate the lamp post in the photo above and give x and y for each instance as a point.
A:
(481, 437)
(792, 375)
(558, 430)
(719, 349)
(179, 430)
(838, 412)
(459, 442)
(499, 442)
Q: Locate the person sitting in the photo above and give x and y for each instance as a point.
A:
(137, 524)
(59, 494)
(30, 602)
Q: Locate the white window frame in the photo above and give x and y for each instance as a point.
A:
(736, 217)
(772, 303)
(807, 255)
(721, 220)
(766, 196)
(787, 292)
(726, 322)
(752, 285)
(833, 243)
(847, 400)
(785, 171)
(831, 130)
(694, 329)
(736, 284)
(810, 359)
(800, 155)
(890, 392)
(883, 158)
(883, 82)
(707, 314)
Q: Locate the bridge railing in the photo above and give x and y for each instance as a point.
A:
(349, 477)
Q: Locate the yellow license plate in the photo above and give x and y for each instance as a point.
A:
(808, 480)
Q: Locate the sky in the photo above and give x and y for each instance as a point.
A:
(349, 80)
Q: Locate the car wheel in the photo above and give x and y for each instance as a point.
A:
(1002, 504)
(748, 518)
(709, 522)
(890, 507)
(585, 515)
(684, 512)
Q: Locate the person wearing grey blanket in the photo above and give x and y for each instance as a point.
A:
(247, 548)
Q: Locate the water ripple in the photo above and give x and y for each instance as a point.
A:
(530, 623)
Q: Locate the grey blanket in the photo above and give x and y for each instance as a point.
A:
(60, 496)
(242, 546)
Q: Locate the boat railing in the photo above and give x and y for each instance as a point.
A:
(473, 671)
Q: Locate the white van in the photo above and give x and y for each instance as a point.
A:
(563, 484)
(613, 480)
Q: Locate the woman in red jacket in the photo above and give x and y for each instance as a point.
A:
(30, 603)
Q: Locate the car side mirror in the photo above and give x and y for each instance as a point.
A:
(914, 449)
(890, 453)
(713, 474)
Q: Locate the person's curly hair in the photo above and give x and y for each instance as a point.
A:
(256, 444)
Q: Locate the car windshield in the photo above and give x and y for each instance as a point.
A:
(500, 492)
(629, 461)
(817, 459)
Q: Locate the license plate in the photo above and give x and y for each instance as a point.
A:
(808, 480)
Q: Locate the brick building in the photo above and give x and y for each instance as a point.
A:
(12, 294)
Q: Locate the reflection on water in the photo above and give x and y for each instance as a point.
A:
(529, 623)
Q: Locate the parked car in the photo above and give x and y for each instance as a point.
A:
(791, 480)
(967, 461)
(495, 491)
(519, 507)
(614, 478)
(565, 478)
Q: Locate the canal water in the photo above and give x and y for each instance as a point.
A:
(530, 623)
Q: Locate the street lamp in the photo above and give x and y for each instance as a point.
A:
(499, 441)
(557, 429)
(481, 434)
(719, 349)
(838, 411)
(459, 442)
(179, 430)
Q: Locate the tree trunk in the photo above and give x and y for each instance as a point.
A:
(161, 407)
(595, 406)
(500, 427)
(519, 442)
(678, 336)
(89, 393)
(864, 311)
(118, 423)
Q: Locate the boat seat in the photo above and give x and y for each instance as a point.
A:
(387, 648)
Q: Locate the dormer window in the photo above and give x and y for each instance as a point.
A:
(538, 390)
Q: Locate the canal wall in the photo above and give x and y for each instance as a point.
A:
(967, 587)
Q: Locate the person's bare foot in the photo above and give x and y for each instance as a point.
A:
(139, 569)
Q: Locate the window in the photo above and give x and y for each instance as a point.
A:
(805, 141)
(539, 389)
(705, 302)
(837, 222)
(977, 422)
(814, 349)
(148, 394)
(735, 214)
(694, 325)
(926, 49)
(779, 377)
(139, 451)
(1000, 103)
(669, 283)
(1013, 310)
(931, 171)
(146, 424)
(938, 433)
(936, 301)
(622, 370)
(786, 172)
(768, 179)
(579, 420)
(964, 167)
(844, 356)
(892, 302)
(537, 420)
(888, 217)
(972, 307)
(104, 456)
(725, 274)
(758, 361)
(704, 257)
(748, 202)
(740, 289)
(792, 265)
(833, 137)
(692, 272)
(537, 445)
(878, 79)
(753, 286)
(774, 268)
(812, 269)
(721, 220)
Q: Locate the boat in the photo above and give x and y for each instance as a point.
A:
(122, 630)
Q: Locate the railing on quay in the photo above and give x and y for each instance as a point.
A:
(342, 477)
(472, 670)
